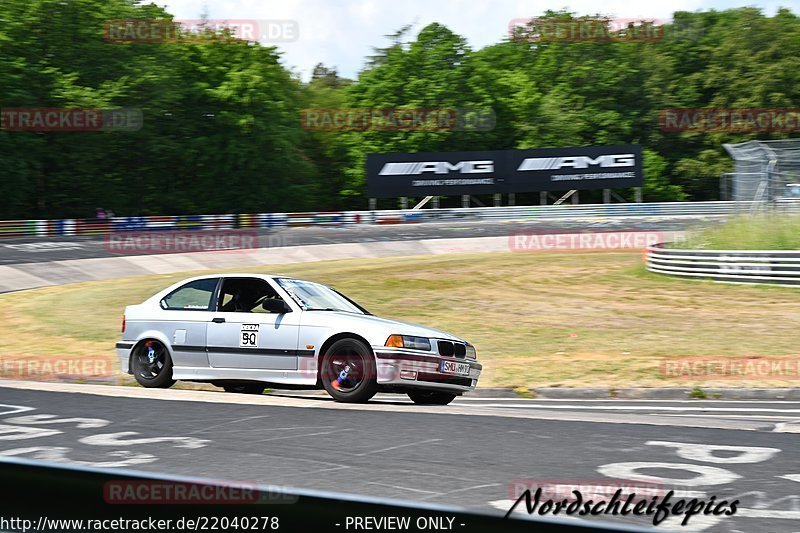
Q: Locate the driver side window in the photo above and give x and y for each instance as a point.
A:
(245, 295)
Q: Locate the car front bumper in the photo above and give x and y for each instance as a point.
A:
(406, 369)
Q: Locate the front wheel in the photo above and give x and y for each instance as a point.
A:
(425, 397)
(348, 371)
(152, 365)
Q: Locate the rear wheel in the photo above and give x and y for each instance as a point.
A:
(245, 388)
(348, 371)
(426, 397)
(152, 365)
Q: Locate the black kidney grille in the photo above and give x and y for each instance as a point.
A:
(460, 350)
(446, 348)
(450, 349)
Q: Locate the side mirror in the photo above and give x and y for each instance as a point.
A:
(274, 305)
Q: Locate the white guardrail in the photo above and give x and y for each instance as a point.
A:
(774, 267)
(69, 227)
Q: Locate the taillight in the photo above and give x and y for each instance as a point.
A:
(123, 323)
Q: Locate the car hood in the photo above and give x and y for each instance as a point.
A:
(389, 326)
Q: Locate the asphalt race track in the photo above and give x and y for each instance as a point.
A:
(472, 453)
(41, 249)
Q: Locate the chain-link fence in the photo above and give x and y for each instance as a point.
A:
(765, 173)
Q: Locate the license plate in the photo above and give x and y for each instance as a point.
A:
(452, 367)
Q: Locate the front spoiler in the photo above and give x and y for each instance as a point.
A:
(394, 364)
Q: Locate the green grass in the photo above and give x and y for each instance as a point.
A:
(595, 319)
(757, 232)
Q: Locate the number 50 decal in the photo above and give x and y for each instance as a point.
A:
(249, 336)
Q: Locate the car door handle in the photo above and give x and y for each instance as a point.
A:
(218, 320)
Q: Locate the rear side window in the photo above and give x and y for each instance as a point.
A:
(194, 296)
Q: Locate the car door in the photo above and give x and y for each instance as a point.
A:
(242, 334)
(183, 320)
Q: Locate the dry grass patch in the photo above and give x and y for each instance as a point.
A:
(538, 319)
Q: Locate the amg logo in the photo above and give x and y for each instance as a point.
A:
(437, 167)
(577, 161)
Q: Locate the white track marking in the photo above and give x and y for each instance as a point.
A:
(704, 453)
(787, 427)
(610, 400)
(59, 454)
(599, 490)
(6, 409)
(731, 417)
(708, 475)
(38, 420)
(646, 408)
(767, 513)
(8, 432)
(117, 439)
(396, 447)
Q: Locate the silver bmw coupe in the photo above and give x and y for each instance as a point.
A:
(247, 332)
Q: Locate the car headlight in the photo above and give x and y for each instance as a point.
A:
(406, 341)
(471, 354)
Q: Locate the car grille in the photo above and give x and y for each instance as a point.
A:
(452, 349)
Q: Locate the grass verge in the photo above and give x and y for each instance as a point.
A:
(581, 319)
(756, 232)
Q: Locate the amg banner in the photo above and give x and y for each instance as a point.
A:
(504, 171)
(435, 173)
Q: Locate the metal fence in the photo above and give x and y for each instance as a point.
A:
(72, 227)
(764, 171)
(773, 267)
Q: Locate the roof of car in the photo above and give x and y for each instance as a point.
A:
(240, 275)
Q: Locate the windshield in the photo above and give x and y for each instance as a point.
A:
(316, 297)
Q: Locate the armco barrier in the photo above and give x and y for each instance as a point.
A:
(773, 267)
(73, 227)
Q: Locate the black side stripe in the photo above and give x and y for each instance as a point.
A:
(244, 351)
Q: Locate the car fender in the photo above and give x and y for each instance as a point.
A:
(151, 334)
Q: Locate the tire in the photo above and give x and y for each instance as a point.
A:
(428, 397)
(153, 371)
(359, 381)
(245, 388)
